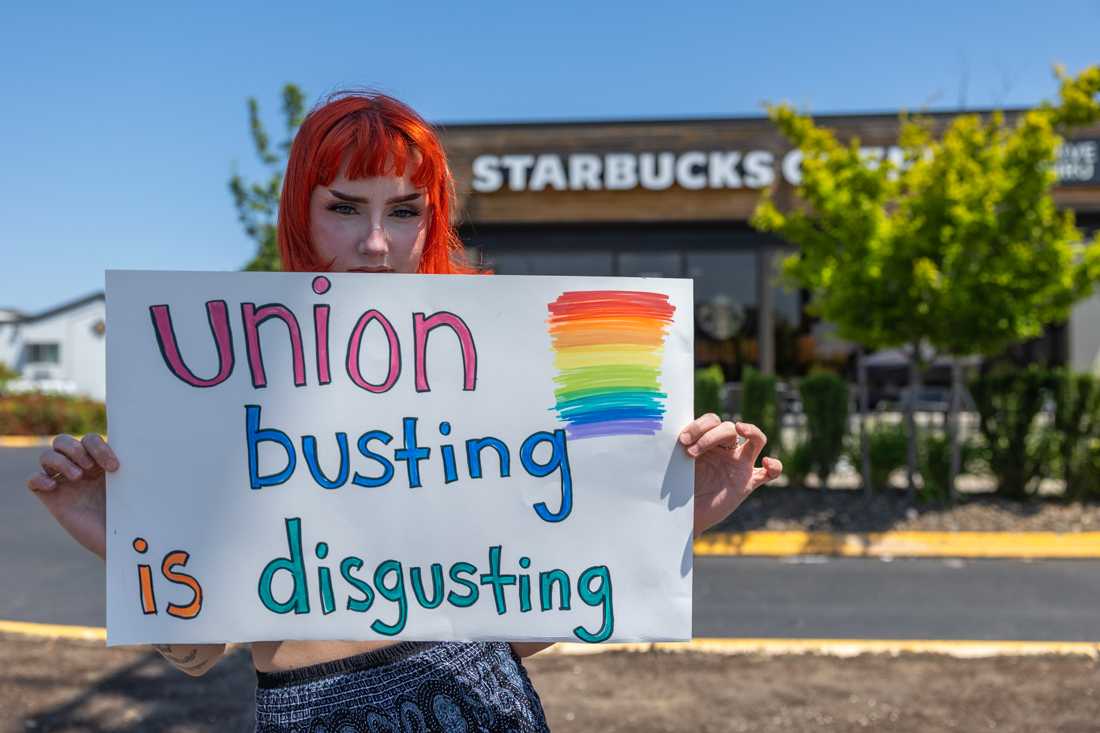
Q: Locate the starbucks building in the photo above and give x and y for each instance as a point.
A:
(673, 198)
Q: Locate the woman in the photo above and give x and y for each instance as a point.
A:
(367, 189)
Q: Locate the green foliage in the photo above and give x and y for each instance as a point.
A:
(959, 244)
(6, 375)
(797, 462)
(760, 405)
(1008, 403)
(1076, 434)
(936, 465)
(35, 413)
(258, 202)
(887, 445)
(825, 401)
(708, 390)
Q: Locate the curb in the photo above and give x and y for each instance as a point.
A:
(1010, 545)
(53, 631)
(25, 441)
(961, 649)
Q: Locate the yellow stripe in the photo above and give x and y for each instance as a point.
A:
(53, 631)
(24, 441)
(903, 544)
(837, 647)
(848, 647)
(568, 359)
(764, 646)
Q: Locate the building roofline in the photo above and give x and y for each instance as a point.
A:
(731, 119)
(57, 310)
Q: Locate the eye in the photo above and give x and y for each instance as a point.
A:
(405, 212)
(342, 208)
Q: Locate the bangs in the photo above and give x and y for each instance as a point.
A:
(367, 147)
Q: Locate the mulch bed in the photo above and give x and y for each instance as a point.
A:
(81, 686)
(848, 510)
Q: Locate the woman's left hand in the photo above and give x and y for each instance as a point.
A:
(725, 469)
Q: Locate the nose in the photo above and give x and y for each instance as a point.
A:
(374, 242)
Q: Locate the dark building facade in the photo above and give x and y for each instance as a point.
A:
(673, 198)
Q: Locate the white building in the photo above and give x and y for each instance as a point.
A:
(62, 349)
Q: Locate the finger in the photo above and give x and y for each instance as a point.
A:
(770, 471)
(723, 435)
(697, 427)
(54, 463)
(755, 440)
(100, 451)
(74, 450)
(41, 482)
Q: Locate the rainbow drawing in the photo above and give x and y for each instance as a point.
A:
(608, 346)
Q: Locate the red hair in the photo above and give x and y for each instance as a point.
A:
(373, 135)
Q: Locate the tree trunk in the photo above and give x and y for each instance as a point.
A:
(954, 427)
(864, 409)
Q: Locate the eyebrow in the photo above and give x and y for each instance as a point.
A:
(361, 200)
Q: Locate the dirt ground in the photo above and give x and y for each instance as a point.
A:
(81, 686)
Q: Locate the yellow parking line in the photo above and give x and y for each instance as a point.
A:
(53, 631)
(903, 544)
(24, 441)
(761, 646)
(963, 649)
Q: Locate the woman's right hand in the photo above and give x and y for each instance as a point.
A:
(72, 484)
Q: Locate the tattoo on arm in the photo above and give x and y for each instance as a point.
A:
(196, 666)
(176, 659)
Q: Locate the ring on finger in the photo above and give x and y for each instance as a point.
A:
(55, 475)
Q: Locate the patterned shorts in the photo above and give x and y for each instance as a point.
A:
(405, 688)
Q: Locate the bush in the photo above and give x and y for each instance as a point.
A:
(888, 446)
(1008, 402)
(6, 375)
(760, 406)
(35, 413)
(796, 463)
(825, 401)
(935, 465)
(1076, 435)
(708, 390)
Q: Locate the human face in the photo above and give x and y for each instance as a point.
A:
(369, 224)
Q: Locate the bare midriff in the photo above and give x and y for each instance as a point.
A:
(278, 656)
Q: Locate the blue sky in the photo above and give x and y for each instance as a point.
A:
(122, 122)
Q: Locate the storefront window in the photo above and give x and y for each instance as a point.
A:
(723, 263)
(549, 263)
(650, 264)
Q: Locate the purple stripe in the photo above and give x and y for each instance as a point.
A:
(613, 427)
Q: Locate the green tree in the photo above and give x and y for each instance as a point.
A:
(7, 374)
(258, 202)
(958, 246)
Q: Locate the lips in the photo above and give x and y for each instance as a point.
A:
(371, 269)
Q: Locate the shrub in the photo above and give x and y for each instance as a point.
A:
(6, 375)
(760, 406)
(35, 413)
(708, 390)
(888, 446)
(935, 465)
(1076, 435)
(825, 401)
(796, 462)
(1008, 402)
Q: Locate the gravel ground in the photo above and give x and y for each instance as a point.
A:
(81, 686)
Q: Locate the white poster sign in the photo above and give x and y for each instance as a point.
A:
(359, 456)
